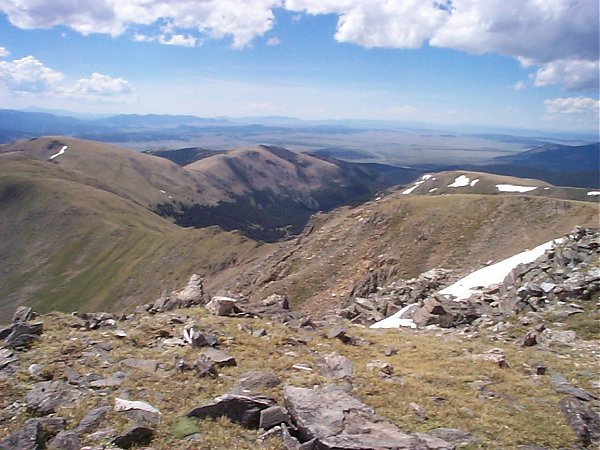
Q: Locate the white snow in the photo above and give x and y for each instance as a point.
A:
(460, 181)
(513, 188)
(433, 190)
(593, 193)
(546, 188)
(426, 176)
(472, 284)
(410, 189)
(395, 320)
(162, 192)
(474, 182)
(62, 151)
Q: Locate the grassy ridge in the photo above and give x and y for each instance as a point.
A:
(67, 245)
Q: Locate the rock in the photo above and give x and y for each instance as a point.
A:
(92, 419)
(46, 396)
(141, 412)
(334, 365)
(220, 359)
(193, 293)
(115, 380)
(254, 381)
(65, 440)
(23, 314)
(22, 335)
(418, 411)
(134, 436)
(453, 436)
(529, 340)
(495, 355)
(93, 321)
(277, 300)
(242, 409)
(339, 332)
(380, 366)
(390, 351)
(147, 365)
(205, 367)
(5, 332)
(222, 306)
(432, 313)
(338, 421)
(7, 358)
(30, 437)
(33, 434)
(584, 421)
(273, 416)
(193, 336)
(561, 385)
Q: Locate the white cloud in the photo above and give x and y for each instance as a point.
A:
(572, 106)
(178, 40)
(561, 36)
(572, 74)
(100, 86)
(273, 41)
(239, 19)
(519, 85)
(28, 76)
(3, 52)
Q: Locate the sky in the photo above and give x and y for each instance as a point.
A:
(513, 63)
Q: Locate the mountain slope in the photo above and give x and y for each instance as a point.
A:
(354, 250)
(68, 245)
(465, 182)
(556, 157)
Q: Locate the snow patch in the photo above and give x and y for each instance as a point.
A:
(474, 182)
(426, 176)
(396, 320)
(513, 188)
(433, 190)
(162, 192)
(61, 152)
(460, 181)
(482, 278)
(593, 193)
(410, 189)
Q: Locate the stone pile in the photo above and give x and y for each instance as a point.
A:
(392, 298)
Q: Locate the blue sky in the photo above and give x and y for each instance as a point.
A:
(517, 63)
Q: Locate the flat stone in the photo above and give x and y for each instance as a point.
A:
(30, 437)
(561, 385)
(221, 306)
(141, 412)
(23, 314)
(256, 380)
(221, 359)
(147, 365)
(242, 409)
(115, 380)
(92, 419)
(338, 421)
(46, 396)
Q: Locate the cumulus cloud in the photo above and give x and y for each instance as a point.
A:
(239, 19)
(3, 52)
(572, 106)
(100, 87)
(559, 36)
(28, 76)
(572, 74)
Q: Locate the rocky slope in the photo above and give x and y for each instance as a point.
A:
(356, 250)
(520, 373)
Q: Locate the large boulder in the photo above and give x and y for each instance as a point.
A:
(582, 419)
(335, 420)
